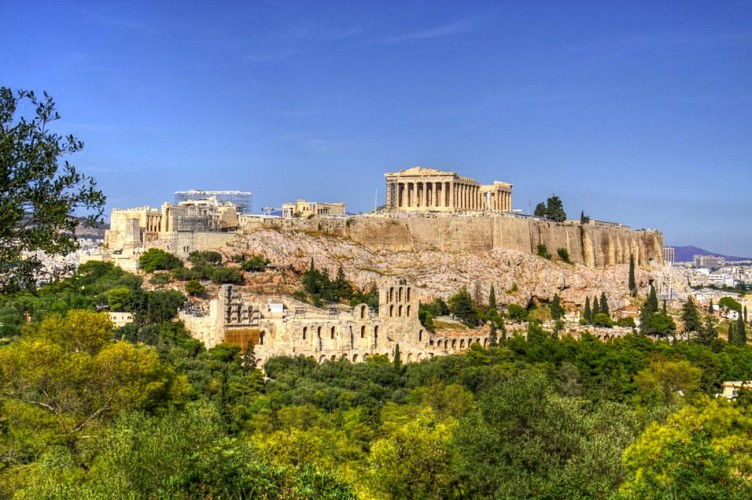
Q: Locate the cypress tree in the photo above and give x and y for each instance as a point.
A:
(556, 310)
(690, 317)
(397, 360)
(732, 334)
(741, 331)
(493, 339)
(648, 311)
(707, 333)
(588, 314)
(596, 306)
(492, 298)
(632, 281)
(604, 305)
(710, 307)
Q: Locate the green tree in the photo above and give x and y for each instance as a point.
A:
(730, 304)
(540, 210)
(563, 254)
(699, 452)
(602, 320)
(741, 331)
(604, 309)
(632, 280)
(555, 209)
(39, 193)
(557, 311)
(156, 259)
(707, 334)
(710, 307)
(690, 316)
(194, 287)
(493, 337)
(412, 460)
(517, 312)
(205, 257)
(525, 441)
(588, 313)
(492, 299)
(461, 306)
(647, 311)
(255, 263)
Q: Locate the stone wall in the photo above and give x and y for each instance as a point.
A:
(590, 244)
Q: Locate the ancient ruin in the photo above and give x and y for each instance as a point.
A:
(424, 189)
(281, 325)
(302, 208)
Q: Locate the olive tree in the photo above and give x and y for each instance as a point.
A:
(39, 192)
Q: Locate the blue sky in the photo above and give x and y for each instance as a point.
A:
(637, 112)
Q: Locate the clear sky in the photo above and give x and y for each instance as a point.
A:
(633, 111)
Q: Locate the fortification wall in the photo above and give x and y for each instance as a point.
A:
(589, 244)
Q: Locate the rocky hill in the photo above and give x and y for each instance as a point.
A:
(517, 276)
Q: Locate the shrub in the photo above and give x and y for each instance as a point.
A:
(516, 312)
(255, 263)
(207, 257)
(543, 251)
(155, 259)
(602, 319)
(563, 254)
(194, 287)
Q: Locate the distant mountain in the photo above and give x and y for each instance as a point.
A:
(685, 254)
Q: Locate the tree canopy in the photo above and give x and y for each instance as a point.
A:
(39, 192)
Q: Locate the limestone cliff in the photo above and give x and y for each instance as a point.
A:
(439, 266)
(591, 244)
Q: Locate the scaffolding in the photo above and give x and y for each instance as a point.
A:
(241, 199)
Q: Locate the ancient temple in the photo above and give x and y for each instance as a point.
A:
(421, 189)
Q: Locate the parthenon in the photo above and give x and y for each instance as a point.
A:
(421, 189)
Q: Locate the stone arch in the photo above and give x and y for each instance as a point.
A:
(454, 343)
(334, 357)
(391, 311)
(399, 311)
(408, 311)
(391, 294)
(322, 358)
(318, 332)
(462, 343)
(262, 337)
(399, 294)
(305, 332)
(355, 358)
(419, 356)
(485, 343)
(363, 331)
(332, 333)
(409, 357)
(408, 295)
(363, 308)
(259, 363)
(420, 335)
(365, 356)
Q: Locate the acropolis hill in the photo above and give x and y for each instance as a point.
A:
(437, 233)
(426, 209)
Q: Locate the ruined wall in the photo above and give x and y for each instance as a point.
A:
(589, 244)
